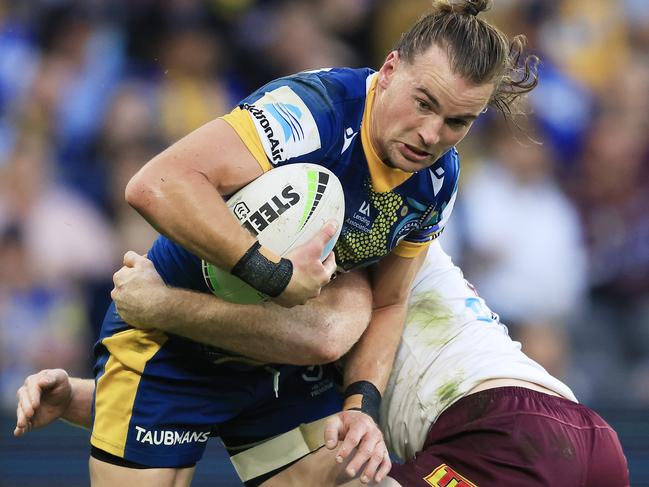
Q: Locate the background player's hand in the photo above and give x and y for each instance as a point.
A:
(43, 397)
(359, 440)
(139, 290)
(309, 273)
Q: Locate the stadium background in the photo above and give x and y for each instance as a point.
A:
(555, 236)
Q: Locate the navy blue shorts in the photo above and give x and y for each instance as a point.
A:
(158, 398)
(517, 436)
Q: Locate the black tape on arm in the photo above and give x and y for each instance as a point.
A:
(271, 278)
(371, 398)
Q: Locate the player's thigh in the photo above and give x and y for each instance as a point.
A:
(104, 474)
(319, 469)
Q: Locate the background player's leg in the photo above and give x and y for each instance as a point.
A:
(103, 474)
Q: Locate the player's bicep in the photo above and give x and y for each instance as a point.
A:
(214, 151)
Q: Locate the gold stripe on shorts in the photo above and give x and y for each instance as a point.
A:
(130, 350)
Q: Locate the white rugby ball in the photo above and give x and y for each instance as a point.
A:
(283, 208)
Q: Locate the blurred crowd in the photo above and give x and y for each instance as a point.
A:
(551, 224)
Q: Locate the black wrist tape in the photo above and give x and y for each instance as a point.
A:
(270, 278)
(371, 401)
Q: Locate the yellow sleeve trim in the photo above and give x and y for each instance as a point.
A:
(410, 250)
(242, 124)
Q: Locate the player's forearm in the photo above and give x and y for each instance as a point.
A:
(320, 331)
(372, 357)
(79, 409)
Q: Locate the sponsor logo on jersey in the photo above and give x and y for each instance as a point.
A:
(285, 125)
(445, 476)
(269, 211)
(362, 218)
(170, 438)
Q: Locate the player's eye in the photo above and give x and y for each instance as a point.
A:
(422, 105)
(457, 123)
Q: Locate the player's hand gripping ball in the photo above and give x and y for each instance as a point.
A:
(283, 208)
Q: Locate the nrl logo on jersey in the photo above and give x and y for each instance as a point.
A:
(285, 125)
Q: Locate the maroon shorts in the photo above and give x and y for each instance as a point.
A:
(512, 436)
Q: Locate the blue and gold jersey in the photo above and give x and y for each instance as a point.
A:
(320, 117)
(323, 117)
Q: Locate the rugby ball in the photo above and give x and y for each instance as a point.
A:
(283, 208)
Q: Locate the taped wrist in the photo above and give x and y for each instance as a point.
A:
(370, 401)
(271, 278)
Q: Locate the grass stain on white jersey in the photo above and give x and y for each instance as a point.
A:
(429, 320)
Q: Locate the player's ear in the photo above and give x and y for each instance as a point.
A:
(388, 69)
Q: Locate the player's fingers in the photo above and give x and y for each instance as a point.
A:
(369, 446)
(325, 234)
(329, 264)
(21, 423)
(21, 419)
(374, 462)
(332, 431)
(384, 468)
(351, 441)
(34, 392)
(25, 403)
(120, 276)
(129, 258)
(132, 258)
(359, 457)
(48, 379)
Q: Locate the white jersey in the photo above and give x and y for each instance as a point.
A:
(451, 343)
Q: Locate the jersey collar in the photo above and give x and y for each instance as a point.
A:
(384, 178)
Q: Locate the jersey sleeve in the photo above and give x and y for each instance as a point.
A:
(289, 120)
(417, 241)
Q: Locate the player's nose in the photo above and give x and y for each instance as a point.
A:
(430, 130)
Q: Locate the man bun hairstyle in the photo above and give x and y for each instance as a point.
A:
(478, 51)
(473, 7)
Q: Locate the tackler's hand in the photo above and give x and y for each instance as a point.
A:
(139, 291)
(44, 397)
(360, 442)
